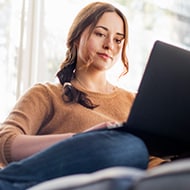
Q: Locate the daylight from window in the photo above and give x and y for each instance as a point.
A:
(33, 36)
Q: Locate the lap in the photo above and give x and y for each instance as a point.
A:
(83, 153)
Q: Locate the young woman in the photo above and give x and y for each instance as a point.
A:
(52, 130)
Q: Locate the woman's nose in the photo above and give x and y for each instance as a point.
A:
(108, 44)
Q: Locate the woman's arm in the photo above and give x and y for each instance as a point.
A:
(34, 144)
(19, 132)
(24, 146)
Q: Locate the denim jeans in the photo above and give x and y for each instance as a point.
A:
(83, 153)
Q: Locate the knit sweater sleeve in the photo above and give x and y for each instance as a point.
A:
(27, 116)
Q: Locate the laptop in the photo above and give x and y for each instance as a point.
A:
(160, 114)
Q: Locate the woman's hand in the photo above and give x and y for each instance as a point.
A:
(102, 125)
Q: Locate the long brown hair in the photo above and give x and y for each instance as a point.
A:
(87, 17)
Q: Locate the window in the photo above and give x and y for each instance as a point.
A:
(33, 36)
(10, 13)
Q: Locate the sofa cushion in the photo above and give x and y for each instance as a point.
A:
(174, 176)
(120, 178)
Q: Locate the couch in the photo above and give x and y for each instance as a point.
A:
(170, 176)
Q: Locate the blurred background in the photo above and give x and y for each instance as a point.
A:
(33, 36)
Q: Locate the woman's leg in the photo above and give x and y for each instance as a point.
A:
(83, 153)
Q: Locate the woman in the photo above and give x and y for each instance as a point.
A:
(45, 136)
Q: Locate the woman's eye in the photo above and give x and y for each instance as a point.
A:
(118, 41)
(100, 34)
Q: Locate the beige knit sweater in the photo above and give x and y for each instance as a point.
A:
(42, 111)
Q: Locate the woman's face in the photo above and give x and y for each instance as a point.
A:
(103, 47)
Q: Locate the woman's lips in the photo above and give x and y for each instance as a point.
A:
(105, 56)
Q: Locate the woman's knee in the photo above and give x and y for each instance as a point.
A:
(115, 148)
(130, 149)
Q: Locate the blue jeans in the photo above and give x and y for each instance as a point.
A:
(83, 153)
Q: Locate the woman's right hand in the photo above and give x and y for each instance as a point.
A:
(103, 125)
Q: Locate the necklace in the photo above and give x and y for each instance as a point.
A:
(107, 89)
(81, 83)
